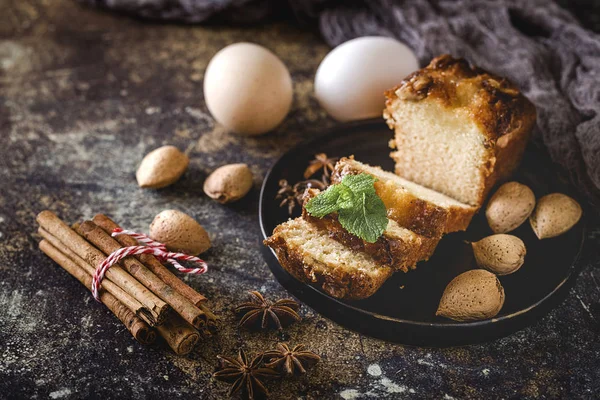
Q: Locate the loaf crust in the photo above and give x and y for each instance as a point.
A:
(408, 210)
(504, 116)
(338, 282)
(494, 102)
(400, 253)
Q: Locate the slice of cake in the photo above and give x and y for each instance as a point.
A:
(417, 208)
(310, 255)
(398, 247)
(458, 129)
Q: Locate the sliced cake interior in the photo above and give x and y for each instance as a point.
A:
(398, 247)
(311, 255)
(449, 154)
(413, 206)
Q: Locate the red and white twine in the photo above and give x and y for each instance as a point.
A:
(157, 249)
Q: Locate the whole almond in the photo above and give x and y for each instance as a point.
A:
(161, 167)
(471, 296)
(509, 207)
(228, 183)
(554, 214)
(179, 232)
(501, 254)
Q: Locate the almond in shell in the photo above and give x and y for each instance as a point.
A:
(471, 296)
(179, 232)
(554, 215)
(161, 167)
(501, 254)
(509, 207)
(228, 183)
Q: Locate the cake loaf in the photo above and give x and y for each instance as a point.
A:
(458, 129)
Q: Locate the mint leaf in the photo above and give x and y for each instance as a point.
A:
(325, 203)
(347, 198)
(367, 220)
(359, 183)
(360, 211)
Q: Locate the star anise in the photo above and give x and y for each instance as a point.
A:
(244, 376)
(301, 186)
(321, 161)
(287, 194)
(292, 195)
(279, 313)
(291, 361)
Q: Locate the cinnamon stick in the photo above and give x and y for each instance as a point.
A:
(152, 263)
(138, 328)
(108, 225)
(110, 287)
(211, 319)
(189, 312)
(179, 335)
(157, 308)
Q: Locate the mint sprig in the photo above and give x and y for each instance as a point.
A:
(360, 211)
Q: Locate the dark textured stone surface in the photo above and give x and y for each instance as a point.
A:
(83, 96)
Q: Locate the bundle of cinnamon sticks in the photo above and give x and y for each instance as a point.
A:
(140, 290)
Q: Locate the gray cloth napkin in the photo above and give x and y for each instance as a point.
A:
(535, 43)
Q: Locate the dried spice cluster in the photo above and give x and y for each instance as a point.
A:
(291, 195)
(243, 375)
(291, 361)
(143, 294)
(277, 314)
(247, 377)
(323, 162)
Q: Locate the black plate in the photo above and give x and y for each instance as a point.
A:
(403, 310)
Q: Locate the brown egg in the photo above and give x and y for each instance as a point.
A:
(247, 89)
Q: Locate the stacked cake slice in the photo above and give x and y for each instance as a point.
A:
(416, 207)
(309, 253)
(322, 252)
(458, 130)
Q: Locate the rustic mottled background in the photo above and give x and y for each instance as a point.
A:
(83, 96)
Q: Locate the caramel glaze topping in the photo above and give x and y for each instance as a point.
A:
(495, 103)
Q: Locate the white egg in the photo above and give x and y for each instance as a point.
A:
(352, 78)
(247, 89)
